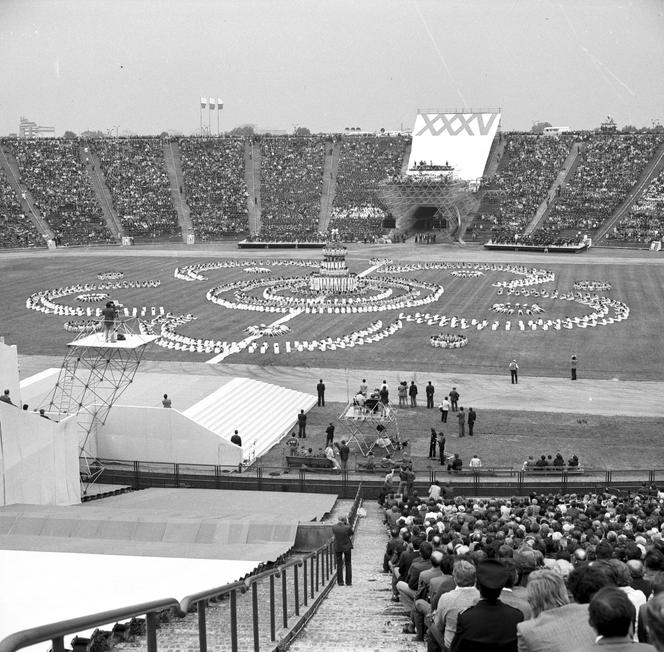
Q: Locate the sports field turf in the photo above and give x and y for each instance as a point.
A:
(629, 350)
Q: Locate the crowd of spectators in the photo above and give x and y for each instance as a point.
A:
(135, 171)
(558, 554)
(610, 165)
(528, 167)
(540, 238)
(215, 187)
(52, 171)
(357, 214)
(291, 186)
(645, 220)
(17, 229)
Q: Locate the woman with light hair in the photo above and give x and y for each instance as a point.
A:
(546, 590)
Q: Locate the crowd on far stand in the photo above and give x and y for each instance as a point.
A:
(135, 171)
(645, 220)
(291, 186)
(52, 171)
(215, 187)
(364, 161)
(17, 229)
(609, 167)
(547, 572)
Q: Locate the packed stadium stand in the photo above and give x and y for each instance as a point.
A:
(136, 176)
(363, 163)
(17, 229)
(526, 171)
(645, 220)
(215, 187)
(610, 165)
(324, 186)
(53, 172)
(291, 184)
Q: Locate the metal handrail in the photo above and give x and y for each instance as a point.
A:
(56, 632)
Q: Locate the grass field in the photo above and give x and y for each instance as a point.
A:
(630, 350)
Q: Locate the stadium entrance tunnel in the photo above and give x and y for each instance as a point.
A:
(428, 218)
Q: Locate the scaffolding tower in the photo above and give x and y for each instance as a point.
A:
(372, 425)
(94, 374)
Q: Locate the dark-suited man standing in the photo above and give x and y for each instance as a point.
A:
(320, 389)
(490, 624)
(343, 544)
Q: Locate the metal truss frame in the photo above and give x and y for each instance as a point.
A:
(91, 380)
(367, 424)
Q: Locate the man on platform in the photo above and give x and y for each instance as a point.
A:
(320, 389)
(329, 435)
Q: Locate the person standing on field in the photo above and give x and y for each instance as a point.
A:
(514, 372)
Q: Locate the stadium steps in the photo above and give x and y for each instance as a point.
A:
(252, 177)
(566, 173)
(98, 180)
(495, 155)
(23, 195)
(176, 180)
(361, 617)
(406, 158)
(330, 170)
(654, 167)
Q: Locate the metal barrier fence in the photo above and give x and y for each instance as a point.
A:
(487, 481)
(304, 578)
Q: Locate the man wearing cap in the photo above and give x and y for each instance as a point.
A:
(490, 624)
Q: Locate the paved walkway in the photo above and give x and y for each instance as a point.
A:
(362, 617)
(536, 394)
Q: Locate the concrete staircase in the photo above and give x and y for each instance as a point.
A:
(566, 173)
(360, 617)
(330, 170)
(176, 180)
(654, 167)
(495, 155)
(98, 180)
(406, 158)
(10, 167)
(252, 177)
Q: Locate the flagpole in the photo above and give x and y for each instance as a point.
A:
(209, 131)
(217, 118)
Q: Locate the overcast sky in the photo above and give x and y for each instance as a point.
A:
(327, 64)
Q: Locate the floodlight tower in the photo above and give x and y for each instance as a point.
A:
(94, 374)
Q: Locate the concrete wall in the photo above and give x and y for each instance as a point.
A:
(162, 435)
(38, 460)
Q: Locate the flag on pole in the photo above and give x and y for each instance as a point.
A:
(212, 103)
(220, 103)
(203, 102)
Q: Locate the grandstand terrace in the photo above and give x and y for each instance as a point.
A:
(52, 171)
(136, 176)
(302, 186)
(610, 166)
(291, 186)
(214, 186)
(364, 162)
(17, 229)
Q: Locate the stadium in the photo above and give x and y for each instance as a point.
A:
(228, 358)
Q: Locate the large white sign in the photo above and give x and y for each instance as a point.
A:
(459, 140)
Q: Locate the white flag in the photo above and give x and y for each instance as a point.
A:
(203, 102)
(220, 103)
(212, 103)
